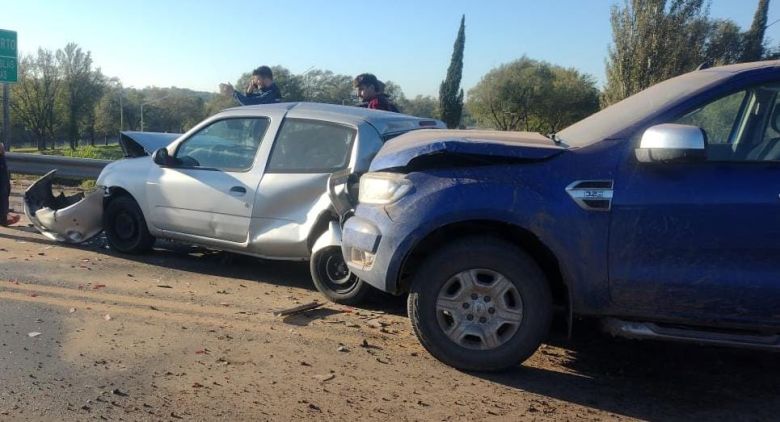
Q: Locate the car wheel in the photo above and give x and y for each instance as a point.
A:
(125, 226)
(480, 304)
(333, 278)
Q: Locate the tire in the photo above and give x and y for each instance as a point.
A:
(487, 340)
(125, 226)
(333, 279)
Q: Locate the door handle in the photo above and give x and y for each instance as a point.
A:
(238, 191)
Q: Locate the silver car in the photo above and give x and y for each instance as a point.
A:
(250, 180)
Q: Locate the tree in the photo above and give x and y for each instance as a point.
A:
(530, 95)
(450, 92)
(108, 115)
(420, 106)
(754, 38)
(82, 88)
(173, 109)
(324, 86)
(724, 43)
(33, 97)
(653, 40)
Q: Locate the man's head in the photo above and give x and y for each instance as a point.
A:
(368, 86)
(262, 77)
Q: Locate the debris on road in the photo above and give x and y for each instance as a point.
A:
(33, 334)
(164, 286)
(71, 310)
(366, 345)
(107, 317)
(298, 309)
(325, 378)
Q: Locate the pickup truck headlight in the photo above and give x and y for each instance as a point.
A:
(383, 188)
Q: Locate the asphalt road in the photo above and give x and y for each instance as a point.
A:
(185, 333)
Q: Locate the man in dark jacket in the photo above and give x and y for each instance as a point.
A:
(261, 89)
(371, 92)
(6, 219)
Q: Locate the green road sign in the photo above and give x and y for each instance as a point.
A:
(8, 56)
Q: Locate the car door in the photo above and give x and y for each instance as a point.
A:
(700, 241)
(293, 192)
(209, 190)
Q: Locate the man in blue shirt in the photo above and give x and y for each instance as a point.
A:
(261, 89)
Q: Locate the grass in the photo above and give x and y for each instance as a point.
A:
(110, 152)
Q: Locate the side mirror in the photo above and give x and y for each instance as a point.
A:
(672, 143)
(161, 157)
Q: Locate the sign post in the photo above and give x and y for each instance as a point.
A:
(9, 64)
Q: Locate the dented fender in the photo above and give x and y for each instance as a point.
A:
(332, 237)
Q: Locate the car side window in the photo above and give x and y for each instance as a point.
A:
(311, 146)
(229, 144)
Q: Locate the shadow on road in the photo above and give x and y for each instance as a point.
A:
(654, 380)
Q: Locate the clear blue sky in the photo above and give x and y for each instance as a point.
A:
(197, 44)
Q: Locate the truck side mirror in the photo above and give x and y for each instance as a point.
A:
(671, 142)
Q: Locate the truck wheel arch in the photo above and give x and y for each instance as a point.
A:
(523, 238)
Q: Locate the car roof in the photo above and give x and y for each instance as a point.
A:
(744, 67)
(384, 121)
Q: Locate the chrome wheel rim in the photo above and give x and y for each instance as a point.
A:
(479, 309)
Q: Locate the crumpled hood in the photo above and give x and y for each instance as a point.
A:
(523, 146)
(138, 144)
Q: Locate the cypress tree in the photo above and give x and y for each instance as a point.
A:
(450, 92)
(754, 38)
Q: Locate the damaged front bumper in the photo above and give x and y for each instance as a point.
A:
(70, 219)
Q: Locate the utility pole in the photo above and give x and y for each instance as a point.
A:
(6, 137)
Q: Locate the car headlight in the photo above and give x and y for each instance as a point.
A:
(383, 188)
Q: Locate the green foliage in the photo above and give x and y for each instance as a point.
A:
(754, 38)
(172, 110)
(33, 97)
(420, 106)
(530, 95)
(450, 93)
(654, 40)
(82, 89)
(110, 152)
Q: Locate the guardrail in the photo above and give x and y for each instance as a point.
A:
(67, 167)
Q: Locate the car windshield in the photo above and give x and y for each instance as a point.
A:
(624, 114)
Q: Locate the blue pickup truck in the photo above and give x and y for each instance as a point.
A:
(659, 215)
